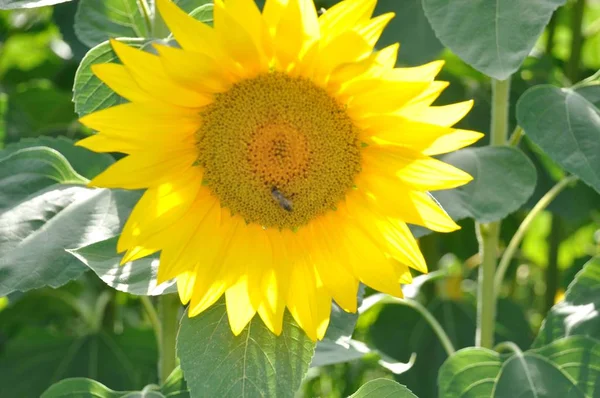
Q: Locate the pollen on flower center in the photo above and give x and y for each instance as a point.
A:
(274, 139)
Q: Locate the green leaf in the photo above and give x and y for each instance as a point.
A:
(469, 373)
(204, 14)
(503, 179)
(256, 363)
(411, 28)
(577, 314)
(89, 93)
(566, 126)
(3, 106)
(329, 352)
(80, 387)
(383, 388)
(535, 376)
(578, 357)
(35, 233)
(494, 37)
(14, 4)
(97, 21)
(38, 358)
(174, 387)
(190, 5)
(137, 277)
(85, 162)
(565, 368)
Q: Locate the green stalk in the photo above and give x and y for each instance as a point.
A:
(518, 236)
(168, 314)
(552, 269)
(488, 234)
(145, 9)
(576, 41)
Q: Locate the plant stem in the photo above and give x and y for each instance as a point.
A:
(159, 28)
(515, 137)
(518, 236)
(168, 313)
(145, 9)
(488, 234)
(576, 41)
(153, 317)
(552, 269)
(551, 32)
(430, 319)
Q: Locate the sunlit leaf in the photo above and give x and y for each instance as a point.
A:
(13, 4)
(35, 233)
(89, 93)
(137, 277)
(494, 37)
(577, 314)
(97, 21)
(383, 388)
(256, 363)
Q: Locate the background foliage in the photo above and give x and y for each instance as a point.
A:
(73, 321)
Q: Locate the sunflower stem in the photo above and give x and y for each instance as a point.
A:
(159, 27)
(488, 234)
(168, 313)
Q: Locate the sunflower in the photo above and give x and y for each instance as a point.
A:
(282, 157)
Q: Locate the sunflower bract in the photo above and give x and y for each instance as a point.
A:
(282, 157)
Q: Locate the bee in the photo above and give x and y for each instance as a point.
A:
(284, 202)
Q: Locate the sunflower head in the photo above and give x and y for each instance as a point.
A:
(282, 157)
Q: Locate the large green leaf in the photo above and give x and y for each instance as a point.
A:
(97, 21)
(411, 29)
(89, 93)
(383, 388)
(566, 126)
(565, 368)
(85, 162)
(174, 387)
(503, 180)
(13, 4)
(256, 363)
(530, 375)
(470, 373)
(493, 36)
(137, 277)
(577, 314)
(36, 359)
(35, 233)
(578, 357)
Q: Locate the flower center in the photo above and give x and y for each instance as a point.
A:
(278, 150)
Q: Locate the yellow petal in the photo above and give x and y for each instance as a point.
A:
(345, 48)
(148, 72)
(190, 33)
(247, 14)
(160, 207)
(396, 200)
(297, 28)
(426, 98)
(418, 171)
(344, 16)
(335, 273)
(446, 116)
(185, 285)
(272, 12)
(237, 42)
(149, 123)
(309, 304)
(372, 67)
(240, 310)
(142, 170)
(384, 97)
(195, 70)
(372, 30)
(120, 81)
(272, 315)
(420, 73)
(103, 143)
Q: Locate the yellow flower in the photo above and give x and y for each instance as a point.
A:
(282, 157)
